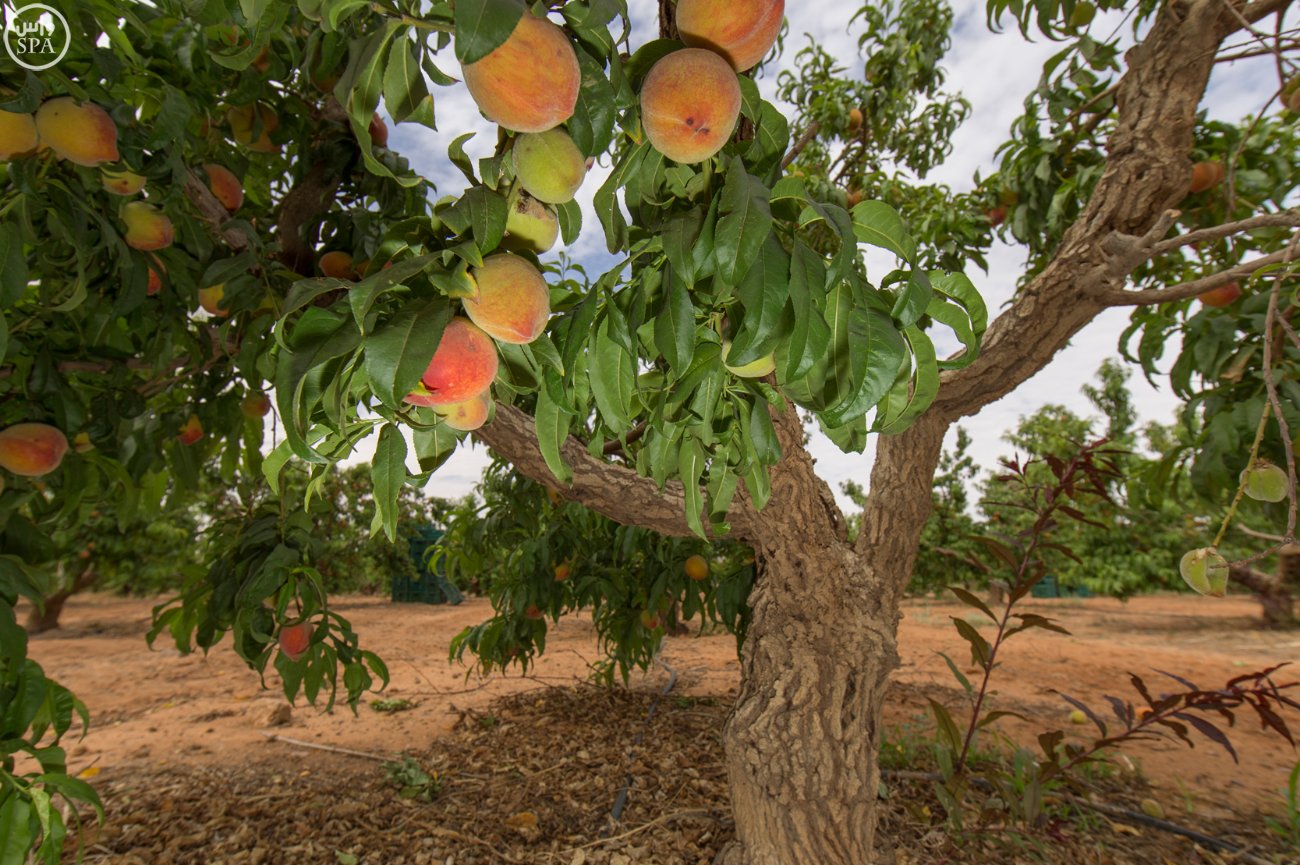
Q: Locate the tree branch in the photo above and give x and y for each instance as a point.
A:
(612, 490)
(1184, 290)
(214, 214)
(1146, 174)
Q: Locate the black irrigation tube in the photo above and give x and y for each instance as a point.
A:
(1111, 811)
(620, 801)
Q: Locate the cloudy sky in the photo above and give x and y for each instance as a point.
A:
(993, 71)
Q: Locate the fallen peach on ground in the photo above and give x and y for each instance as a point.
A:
(530, 82)
(512, 301)
(690, 102)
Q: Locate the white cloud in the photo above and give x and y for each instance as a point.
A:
(994, 72)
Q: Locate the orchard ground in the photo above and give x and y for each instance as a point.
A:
(180, 745)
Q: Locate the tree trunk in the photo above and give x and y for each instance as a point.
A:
(1272, 592)
(46, 617)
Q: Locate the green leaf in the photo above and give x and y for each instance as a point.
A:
(13, 265)
(552, 424)
(947, 729)
(763, 294)
(483, 25)
(16, 835)
(957, 674)
(592, 125)
(876, 353)
(690, 467)
(398, 353)
(674, 327)
(680, 233)
(612, 373)
(745, 223)
(405, 93)
(910, 397)
(878, 224)
(485, 213)
(388, 473)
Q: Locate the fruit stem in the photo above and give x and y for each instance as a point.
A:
(1241, 484)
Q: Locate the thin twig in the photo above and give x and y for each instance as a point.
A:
(380, 758)
(695, 813)
(804, 141)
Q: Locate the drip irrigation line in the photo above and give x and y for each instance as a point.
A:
(620, 800)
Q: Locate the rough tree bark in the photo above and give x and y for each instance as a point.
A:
(801, 743)
(1276, 600)
(46, 618)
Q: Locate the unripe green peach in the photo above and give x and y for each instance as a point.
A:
(1265, 482)
(690, 102)
(742, 31)
(464, 365)
(211, 298)
(225, 186)
(466, 416)
(754, 369)
(530, 225)
(147, 227)
(549, 165)
(511, 301)
(1205, 571)
(530, 82)
(17, 135)
(83, 134)
(32, 449)
(122, 182)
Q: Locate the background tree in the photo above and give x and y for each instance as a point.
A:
(662, 393)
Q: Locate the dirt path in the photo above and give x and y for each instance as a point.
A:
(160, 709)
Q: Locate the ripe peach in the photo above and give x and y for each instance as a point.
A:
(17, 135)
(156, 271)
(295, 639)
(1220, 297)
(562, 571)
(255, 405)
(83, 134)
(1206, 175)
(1293, 100)
(32, 449)
(997, 216)
(743, 31)
(697, 568)
(464, 365)
(511, 301)
(855, 119)
(651, 620)
(690, 102)
(252, 125)
(262, 61)
(378, 131)
(81, 442)
(338, 264)
(466, 416)
(210, 299)
(192, 431)
(530, 82)
(530, 225)
(549, 165)
(147, 227)
(121, 182)
(225, 186)
(533, 612)
(853, 198)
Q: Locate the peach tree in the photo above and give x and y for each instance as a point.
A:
(201, 213)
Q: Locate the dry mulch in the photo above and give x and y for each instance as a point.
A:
(533, 780)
